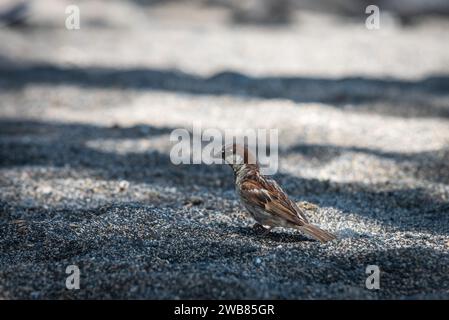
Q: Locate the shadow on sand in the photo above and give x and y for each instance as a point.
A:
(48, 144)
(390, 96)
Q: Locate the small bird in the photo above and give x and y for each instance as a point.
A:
(264, 199)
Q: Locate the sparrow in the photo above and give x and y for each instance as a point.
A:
(264, 199)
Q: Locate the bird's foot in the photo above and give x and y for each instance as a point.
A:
(261, 229)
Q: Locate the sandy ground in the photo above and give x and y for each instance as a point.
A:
(86, 178)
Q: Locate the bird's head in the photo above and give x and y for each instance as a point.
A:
(238, 156)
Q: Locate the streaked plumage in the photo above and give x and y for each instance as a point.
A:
(264, 199)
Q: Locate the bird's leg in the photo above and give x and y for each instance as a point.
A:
(267, 231)
(258, 227)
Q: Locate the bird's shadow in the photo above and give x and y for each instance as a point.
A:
(276, 236)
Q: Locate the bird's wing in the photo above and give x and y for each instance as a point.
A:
(268, 195)
(286, 199)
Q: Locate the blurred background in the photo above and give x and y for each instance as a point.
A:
(287, 49)
(85, 119)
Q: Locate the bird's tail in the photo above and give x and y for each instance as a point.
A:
(317, 233)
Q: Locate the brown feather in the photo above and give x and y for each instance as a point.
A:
(264, 198)
(317, 233)
(269, 196)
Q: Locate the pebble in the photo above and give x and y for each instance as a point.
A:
(123, 185)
